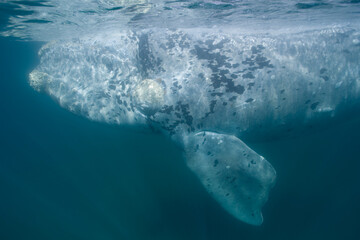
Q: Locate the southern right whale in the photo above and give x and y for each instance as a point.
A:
(210, 92)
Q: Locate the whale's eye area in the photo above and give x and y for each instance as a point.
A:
(149, 96)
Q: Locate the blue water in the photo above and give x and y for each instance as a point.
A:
(65, 177)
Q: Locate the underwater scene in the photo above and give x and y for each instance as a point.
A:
(174, 120)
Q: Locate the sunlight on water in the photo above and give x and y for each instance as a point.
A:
(59, 19)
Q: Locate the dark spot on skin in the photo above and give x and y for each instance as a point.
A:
(257, 49)
(322, 70)
(250, 85)
(172, 127)
(167, 109)
(263, 62)
(282, 91)
(170, 43)
(186, 113)
(249, 61)
(216, 94)
(212, 106)
(224, 103)
(284, 99)
(208, 153)
(326, 78)
(254, 50)
(249, 100)
(118, 100)
(232, 98)
(248, 75)
(181, 112)
(234, 113)
(227, 194)
(216, 162)
(237, 89)
(314, 105)
(216, 62)
(175, 87)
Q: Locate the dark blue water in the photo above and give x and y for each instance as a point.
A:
(65, 177)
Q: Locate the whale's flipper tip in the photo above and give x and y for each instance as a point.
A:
(236, 176)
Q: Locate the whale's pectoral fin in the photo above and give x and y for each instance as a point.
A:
(236, 176)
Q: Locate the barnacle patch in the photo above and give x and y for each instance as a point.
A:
(149, 96)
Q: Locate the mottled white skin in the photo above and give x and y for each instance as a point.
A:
(285, 89)
(297, 80)
(227, 84)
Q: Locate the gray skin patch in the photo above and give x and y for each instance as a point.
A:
(257, 59)
(148, 63)
(217, 62)
(224, 73)
(180, 112)
(250, 85)
(248, 75)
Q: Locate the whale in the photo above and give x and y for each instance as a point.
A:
(211, 92)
